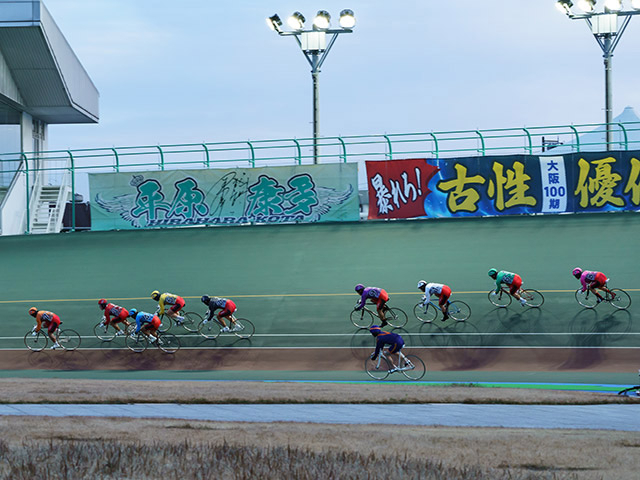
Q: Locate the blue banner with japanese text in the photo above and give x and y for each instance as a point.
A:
(504, 185)
(309, 193)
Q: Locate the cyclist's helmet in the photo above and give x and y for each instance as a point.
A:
(359, 288)
(33, 311)
(205, 299)
(577, 272)
(375, 330)
(421, 285)
(133, 312)
(155, 295)
(492, 273)
(103, 303)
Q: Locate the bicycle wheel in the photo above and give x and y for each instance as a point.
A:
(362, 318)
(191, 321)
(69, 339)
(36, 342)
(459, 310)
(137, 342)
(500, 299)
(622, 300)
(246, 329)
(586, 298)
(533, 297)
(395, 317)
(418, 370)
(378, 368)
(209, 330)
(103, 332)
(165, 323)
(168, 343)
(426, 314)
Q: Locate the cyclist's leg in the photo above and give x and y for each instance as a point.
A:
(220, 317)
(51, 330)
(515, 288)
(444, 301)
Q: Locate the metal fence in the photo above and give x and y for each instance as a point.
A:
(53, 165)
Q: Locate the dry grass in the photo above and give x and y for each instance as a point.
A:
(154, 448)
(115, 391)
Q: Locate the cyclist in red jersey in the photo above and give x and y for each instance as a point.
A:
(119, 314)
(46, 319)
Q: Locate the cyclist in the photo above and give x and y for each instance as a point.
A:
(379, 296)
(120, 314)
(395, 342)
(147, 323)
(176, 302)
(508, 278)
(592, 280)
(49, 320)
(443, 292)
(227, 308)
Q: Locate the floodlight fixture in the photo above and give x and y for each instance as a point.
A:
(322, 20)
(275, 23)
(565, 6)
(296, 21)
(587, 5)
(613, 5)
(347, 18)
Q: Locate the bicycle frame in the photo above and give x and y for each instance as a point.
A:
(401, 357)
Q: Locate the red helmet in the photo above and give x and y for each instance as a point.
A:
(103, 303)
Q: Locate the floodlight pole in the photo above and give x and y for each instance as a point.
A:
(316, 57)
(608, 39)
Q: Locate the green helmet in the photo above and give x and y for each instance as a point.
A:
(493, 272)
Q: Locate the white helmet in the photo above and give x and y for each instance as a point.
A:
(422, 284)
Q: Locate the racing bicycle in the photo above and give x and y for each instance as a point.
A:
(68, 339)
(139, 342)
(588, 299)
(411, 366)
(190, 322)
(428, 312)
(364, 317)
(106, 333)
(533, 298)
(213, 328)
(631, 391)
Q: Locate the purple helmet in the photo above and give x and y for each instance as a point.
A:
(359, 288)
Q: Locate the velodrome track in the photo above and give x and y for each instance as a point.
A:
(295, 282)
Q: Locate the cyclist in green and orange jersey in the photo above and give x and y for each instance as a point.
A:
(507, 278)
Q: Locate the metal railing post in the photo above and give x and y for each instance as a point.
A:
(253, 155)
(26, 173)
(161, 157)
(344, 150)
(390, 154)
(482, 150)
(299, 155)
(530, 147)
(73, 193)
(435, 142)
(115, 153)
(206, 152)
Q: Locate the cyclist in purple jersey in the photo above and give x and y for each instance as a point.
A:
(395, 342)
(379, 296)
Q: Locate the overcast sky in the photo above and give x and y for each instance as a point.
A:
(187, 71)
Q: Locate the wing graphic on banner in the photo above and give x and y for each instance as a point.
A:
(327, 198)
(122, 205)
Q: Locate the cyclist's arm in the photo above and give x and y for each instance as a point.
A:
(379, 346)
(39, 322)
(161, 304)
(107, 317)
(211, 311)
(363, 299)
(499, 281)
(138, 323)
(583, 281)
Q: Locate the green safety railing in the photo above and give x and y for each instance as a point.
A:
(299, 151)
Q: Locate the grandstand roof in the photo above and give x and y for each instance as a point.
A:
(39, 72)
